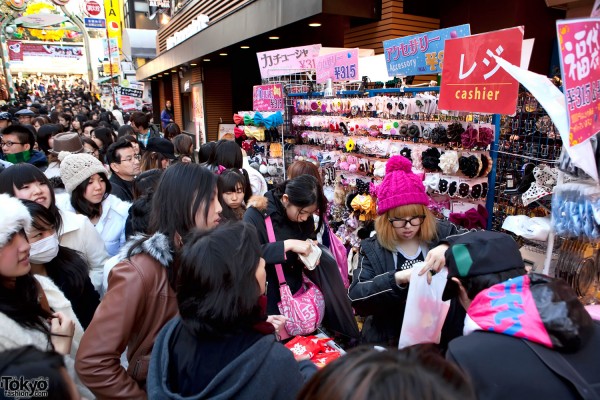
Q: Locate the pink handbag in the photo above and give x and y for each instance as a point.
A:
(304, 309)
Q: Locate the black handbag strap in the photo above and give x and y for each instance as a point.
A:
(562, 367)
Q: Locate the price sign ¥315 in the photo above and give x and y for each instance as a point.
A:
(339, 66)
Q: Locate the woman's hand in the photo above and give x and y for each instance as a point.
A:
(403, 277)
(298, 246)
(435, 261)
(277, 321)
(61, 331)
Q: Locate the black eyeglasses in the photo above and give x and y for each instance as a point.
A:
(401, 222)
(8, 144)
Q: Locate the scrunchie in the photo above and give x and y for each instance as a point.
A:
(438, 135)
(486, 168)
(431, 159)
(406, 152)
(455, 130)
(470, 166)
(486, 136)
(449, 162)
(417, 156)
(468, 138)
(414, 131)
(403, 130)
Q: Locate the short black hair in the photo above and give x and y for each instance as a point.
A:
(112, 154)
(475, 284)
(217, 290)
(22, 132)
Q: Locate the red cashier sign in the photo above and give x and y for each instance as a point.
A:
(471, 78)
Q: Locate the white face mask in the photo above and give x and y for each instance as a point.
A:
(44, 250)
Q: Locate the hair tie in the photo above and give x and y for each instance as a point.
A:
(220, 170)
(486, 136)
(470, 166)
(431, 159)
(486, 162)
(449, 162)
(455, 130)
(414, 131)
(406, 152)
(438, 135)
(469, 138)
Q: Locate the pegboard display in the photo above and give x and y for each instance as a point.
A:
(527, 140)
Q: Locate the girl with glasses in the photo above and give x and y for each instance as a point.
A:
(407, 233)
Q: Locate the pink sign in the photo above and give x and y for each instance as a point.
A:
(267, 97)
(18, 49)
(339, 66)
(579, 48)
(287, 61)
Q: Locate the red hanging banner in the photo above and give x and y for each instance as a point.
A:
(471, 78)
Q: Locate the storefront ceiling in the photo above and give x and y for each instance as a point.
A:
(250, 22)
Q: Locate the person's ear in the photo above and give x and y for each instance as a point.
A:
(27, 146)
(462, 294)
(285, 199)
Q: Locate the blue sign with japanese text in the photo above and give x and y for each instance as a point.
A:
(95, 23)
(420, 54)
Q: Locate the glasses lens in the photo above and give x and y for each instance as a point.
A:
(416, 221)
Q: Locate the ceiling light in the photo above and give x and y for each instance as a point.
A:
(159, 75)
(244, 47)
(222, 54)
(173, 70)
(315, 24)
(193, 64)
(166, 73)
(206, 60)
(273, 37)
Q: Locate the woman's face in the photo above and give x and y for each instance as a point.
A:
(214, 211)
(88, 149)
(63, 122)
(297, 214)
(35, 235)
(14, 257)
(97, 141)
(261, 275)
(76, 125)
(34, 191)
(36, 126)
(94, 191)
(136, 148)
(234, 198)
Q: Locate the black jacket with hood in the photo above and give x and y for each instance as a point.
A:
(376, 296)
(502, 364)
(264, 370)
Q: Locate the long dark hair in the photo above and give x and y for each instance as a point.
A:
(68, 266)
(20, 303)
(181, 191)
(217, 290)
(19, 175)
(44, 134)
(304, 191)
(81, 205)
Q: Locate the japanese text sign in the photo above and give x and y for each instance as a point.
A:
(338, 66)
(131, 92)
(473, 81)
(580, 63)
(267, 97)
(420, 54)
(287, 61)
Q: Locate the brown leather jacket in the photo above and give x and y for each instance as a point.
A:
(138, 303)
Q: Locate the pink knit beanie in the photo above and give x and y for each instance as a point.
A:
(400, 186)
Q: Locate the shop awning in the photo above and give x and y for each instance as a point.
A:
(139, 43)
(255, 19)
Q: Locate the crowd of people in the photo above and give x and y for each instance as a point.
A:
(134, 266)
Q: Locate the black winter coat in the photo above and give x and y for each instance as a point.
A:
(273, 253)
(375, 295)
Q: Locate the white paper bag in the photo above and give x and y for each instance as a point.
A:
(425, 311)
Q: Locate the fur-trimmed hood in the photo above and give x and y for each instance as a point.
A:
(13, 218)
(259, 202)
(156, 246)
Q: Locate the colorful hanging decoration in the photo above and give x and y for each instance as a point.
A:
(44, 34)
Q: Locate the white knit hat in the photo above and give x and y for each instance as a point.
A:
(76, 168)
(13, 218)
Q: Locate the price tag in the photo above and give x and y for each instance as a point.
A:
(339, 66)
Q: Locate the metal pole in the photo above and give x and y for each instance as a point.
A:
(5, 59)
